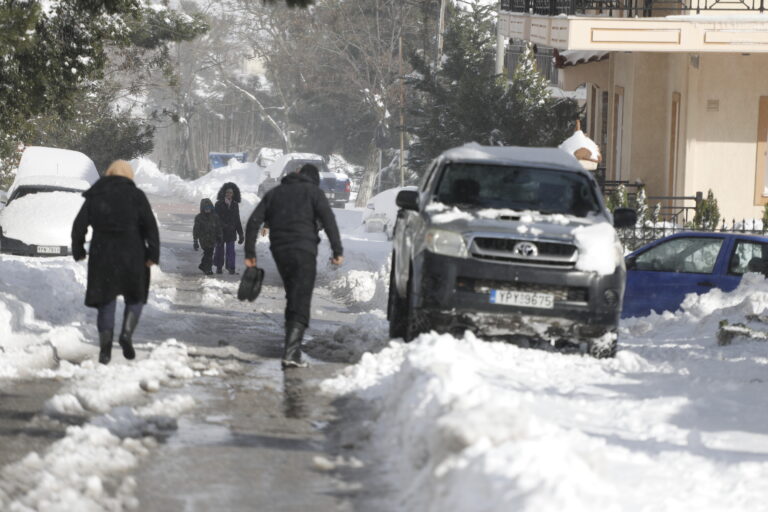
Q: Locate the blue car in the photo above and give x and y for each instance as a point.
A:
(662, 273)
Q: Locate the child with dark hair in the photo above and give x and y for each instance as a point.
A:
(206, 233)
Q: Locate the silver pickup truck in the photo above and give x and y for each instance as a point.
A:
(511, 243)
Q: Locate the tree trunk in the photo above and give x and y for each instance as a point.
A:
(365, 191)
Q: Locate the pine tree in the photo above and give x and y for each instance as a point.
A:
(707, 213)
(462, 100)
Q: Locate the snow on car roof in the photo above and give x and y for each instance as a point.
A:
(47, 162)
(516, 155)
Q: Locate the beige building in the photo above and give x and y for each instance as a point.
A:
(675, 97)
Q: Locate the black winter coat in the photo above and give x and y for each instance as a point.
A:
(229, 215)
(292, 210)
(207, 228)
(124, 237)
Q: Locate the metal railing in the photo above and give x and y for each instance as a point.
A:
(545, 61)
(634, 238)
(630, 8)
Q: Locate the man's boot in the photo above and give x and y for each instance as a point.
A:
(105, 346)
(294, 332)
(130, 320)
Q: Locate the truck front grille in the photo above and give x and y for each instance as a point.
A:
(524, 251)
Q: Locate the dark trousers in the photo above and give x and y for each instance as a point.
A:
(218, 255)
(105, 321)
(207, 260)
(297, 269)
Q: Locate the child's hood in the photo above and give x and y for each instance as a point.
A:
(205, 203)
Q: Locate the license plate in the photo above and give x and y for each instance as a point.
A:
(524, 299)
(48, 249)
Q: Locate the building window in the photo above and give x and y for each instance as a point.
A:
(761, 170)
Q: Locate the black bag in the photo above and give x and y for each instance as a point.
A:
(250, 284)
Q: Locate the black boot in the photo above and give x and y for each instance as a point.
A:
(294, 332)
(130, 320)
(105, 346)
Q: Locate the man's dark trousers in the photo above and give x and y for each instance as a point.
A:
(297, 269)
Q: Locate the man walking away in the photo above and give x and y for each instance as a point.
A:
(228, 211)
(292, 210)
(206, 233)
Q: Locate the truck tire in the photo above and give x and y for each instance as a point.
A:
(417, 320)
(397, 308)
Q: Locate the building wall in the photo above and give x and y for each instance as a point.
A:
(723, 137)
(571, 77)
(717, 134)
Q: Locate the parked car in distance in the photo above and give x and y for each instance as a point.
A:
(44, 200)
(337, 186)
(381, 211)
(509, 243)
(217, 160)
(661, 273)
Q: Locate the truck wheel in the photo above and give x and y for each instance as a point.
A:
(605, 346)
(397, 308)
(417, 320)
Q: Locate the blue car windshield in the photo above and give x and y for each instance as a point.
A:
(477, 186)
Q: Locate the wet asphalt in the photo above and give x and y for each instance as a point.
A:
(259, 438)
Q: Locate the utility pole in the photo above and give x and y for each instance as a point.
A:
(402, 116)
(441, 30)
(500, 44)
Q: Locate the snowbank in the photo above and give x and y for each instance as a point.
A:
(467, 425)
(247, 176)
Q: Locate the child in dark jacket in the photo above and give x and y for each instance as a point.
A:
(206, 233)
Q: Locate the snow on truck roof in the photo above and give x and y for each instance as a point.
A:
(43, 165)
(552, 158)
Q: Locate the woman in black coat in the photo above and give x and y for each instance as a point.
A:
(228, 210)
(125, 243)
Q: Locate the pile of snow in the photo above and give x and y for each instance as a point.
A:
(465, 425)
(84, 471)
(247, 176)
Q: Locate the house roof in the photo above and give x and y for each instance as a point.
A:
(576, 57)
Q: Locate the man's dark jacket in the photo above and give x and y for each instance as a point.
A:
(124, 237)
(207, 228)
(291, 210)
(229, 215)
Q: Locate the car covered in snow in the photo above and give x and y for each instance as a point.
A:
(661, 273)
(381, 212)
(511, 243)
(44, 200)
(337, 186)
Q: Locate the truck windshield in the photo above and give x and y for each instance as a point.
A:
(476, 186)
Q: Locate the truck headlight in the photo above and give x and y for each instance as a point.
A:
(448, 243)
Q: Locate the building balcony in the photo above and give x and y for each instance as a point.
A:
(633, 8)
(693, 26)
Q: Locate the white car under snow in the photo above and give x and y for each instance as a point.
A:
(381, 211)
(44, 200)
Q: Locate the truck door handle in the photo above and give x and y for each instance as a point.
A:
(706, 283)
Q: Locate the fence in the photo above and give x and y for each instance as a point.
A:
(634, 238)
(676, 214)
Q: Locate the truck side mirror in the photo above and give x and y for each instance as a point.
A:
(408, 200)
(624, 217)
